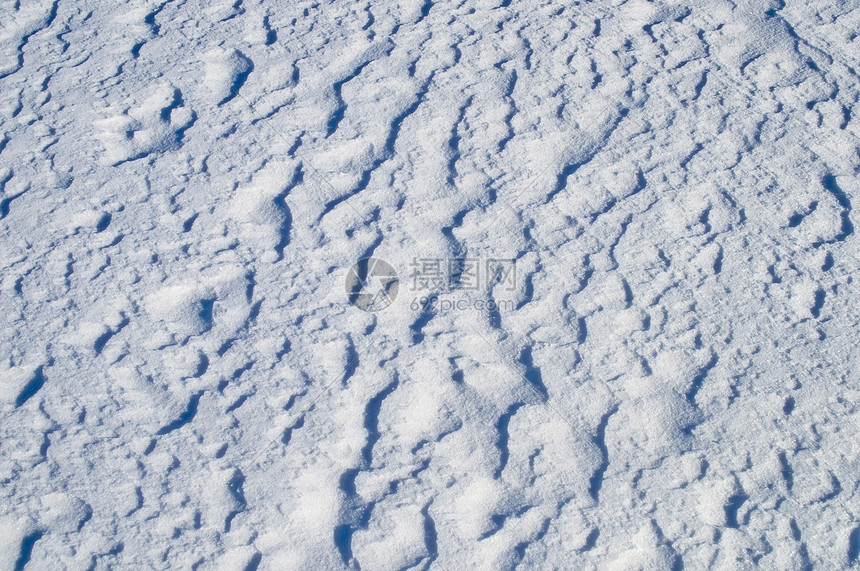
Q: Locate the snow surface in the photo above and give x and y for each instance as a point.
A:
(186, 185)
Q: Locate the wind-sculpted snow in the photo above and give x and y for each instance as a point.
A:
(667, 380)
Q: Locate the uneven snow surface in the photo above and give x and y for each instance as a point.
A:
(671, 382)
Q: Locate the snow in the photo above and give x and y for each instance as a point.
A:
(667, 380)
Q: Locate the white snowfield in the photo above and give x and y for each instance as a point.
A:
(672, 382)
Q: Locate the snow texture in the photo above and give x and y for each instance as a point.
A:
(184, 186)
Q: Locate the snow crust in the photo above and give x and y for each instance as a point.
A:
(671, 383)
